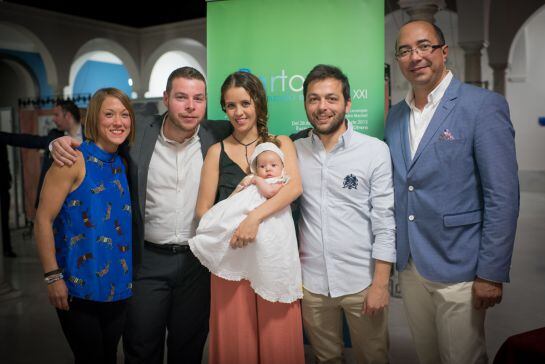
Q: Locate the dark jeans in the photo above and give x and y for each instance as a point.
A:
(4, 204)
(171, 292)
(93, 329)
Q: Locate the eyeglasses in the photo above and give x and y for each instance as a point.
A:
(421, 49)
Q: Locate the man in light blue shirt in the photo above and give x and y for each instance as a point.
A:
(346, 227)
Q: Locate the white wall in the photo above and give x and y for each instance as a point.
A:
(525, 92)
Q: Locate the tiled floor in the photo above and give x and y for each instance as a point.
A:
(30, 332)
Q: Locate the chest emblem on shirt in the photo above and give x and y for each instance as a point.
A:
(350, 182)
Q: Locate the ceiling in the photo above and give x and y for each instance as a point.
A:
(140, 16)
(133, 14)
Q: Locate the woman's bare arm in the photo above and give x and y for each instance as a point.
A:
(58, 183)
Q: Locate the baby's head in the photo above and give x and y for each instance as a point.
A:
(267, 161)
(268, 165)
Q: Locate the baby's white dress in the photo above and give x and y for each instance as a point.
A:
(270, 263)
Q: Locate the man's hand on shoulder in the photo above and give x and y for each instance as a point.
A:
(486, 293)
(63, 152)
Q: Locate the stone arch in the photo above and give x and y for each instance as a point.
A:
(505, 22)
(190, 47)
(103, 45)
(40, 48)
(517, 56)
(25, 74)
(524, 90)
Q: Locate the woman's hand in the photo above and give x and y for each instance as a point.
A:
(58, 294)
(245, 232)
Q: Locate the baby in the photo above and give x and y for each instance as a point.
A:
(271, 262)
(268, 168)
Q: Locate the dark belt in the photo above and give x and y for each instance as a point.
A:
(167, 248)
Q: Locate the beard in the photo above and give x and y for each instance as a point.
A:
(330, 128)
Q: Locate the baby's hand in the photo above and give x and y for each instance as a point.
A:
(246, 181)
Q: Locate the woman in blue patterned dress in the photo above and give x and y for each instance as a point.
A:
(83, 233)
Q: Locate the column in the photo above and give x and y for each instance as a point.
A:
(472, 36)
(499, 77)
(472, 58)
(422, 9)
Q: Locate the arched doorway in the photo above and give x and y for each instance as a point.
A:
(525, 92)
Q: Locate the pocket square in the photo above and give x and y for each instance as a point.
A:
(446, 135)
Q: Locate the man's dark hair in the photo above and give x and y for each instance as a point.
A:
(69, 106)
(187, 72)
(438, 32)
(323, 71)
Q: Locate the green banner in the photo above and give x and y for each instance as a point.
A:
(280, 41)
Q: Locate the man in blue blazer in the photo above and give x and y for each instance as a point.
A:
(456, 199)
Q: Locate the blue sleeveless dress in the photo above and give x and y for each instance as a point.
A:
(93, 231)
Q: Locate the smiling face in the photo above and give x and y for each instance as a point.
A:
(114, 124)
(268, 165)
(240, 109)
(422, 71)
(325, 105)
(186, 104)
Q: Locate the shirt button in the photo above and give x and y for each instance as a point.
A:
(411, 217)
(411, 188)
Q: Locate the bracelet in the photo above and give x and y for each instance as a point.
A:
(53, 278)
(53, 272)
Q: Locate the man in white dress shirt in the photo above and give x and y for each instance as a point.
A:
(171, 289)
(346, 226)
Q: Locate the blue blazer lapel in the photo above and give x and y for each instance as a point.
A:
(441, 113)
(404, 136)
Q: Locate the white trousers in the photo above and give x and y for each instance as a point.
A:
(445, 326)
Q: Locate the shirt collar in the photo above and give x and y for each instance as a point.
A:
(77, 135)
(435, 96)
(193, 138)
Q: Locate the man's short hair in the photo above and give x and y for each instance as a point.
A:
(69, 106)
(187, 72)
(438, 32)
(323, 71)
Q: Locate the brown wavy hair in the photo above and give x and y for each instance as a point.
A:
(255, 89)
